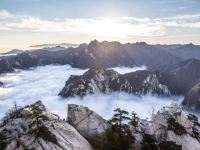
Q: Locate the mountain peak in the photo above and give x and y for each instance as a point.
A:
(141, 43)
(94, 42)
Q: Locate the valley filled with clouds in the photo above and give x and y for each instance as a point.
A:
(44, 83)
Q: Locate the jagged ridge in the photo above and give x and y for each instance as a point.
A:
(107, 80)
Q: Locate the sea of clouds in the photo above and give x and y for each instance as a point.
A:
(44, 83)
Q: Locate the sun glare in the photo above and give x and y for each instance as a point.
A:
(119, 28)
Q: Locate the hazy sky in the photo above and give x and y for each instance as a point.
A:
(29, 22)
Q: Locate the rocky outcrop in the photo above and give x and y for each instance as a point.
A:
(105, 80)
(192, 98)
(172, 124)
(34, 127)
(169, 127)
(88, 123)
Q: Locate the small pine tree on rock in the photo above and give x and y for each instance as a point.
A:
(134, 119)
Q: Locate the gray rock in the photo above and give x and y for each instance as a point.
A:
(88, 123)
(159, 128)
(20, 132)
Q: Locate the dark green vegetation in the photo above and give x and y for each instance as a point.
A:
(194, 119)
(119, 136)
(13, 113)
(169, 145)
(3, 142)
(149, 143)
(44, 133)
(41, 130)
(35, 122)
(175, 126)
(134, 119)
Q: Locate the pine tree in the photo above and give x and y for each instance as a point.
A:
(134, 119)
(38, 116)
(119, 120)
(120, 125)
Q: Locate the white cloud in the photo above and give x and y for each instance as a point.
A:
(100, 26)
(5, 14)
(182, 17)
(106, 27)
(176, 1)
(44, 83)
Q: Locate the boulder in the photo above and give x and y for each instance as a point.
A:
(85, 121)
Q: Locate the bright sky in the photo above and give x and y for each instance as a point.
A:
(31, 22)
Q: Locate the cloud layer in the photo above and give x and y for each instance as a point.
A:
(44, 83)
(113, 27)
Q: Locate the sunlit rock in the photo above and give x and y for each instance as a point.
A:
(34, 127)
(172, 124)
(87, 122)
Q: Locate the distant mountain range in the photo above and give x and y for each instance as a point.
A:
(12, 52)
(105, 54)
(179, 65)
(54, 45)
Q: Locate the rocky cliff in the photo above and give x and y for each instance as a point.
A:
(34, 127)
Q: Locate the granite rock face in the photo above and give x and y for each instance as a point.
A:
(19, 131)
(172, 124)
(107, 80)
(34, 127)
(85, 121)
